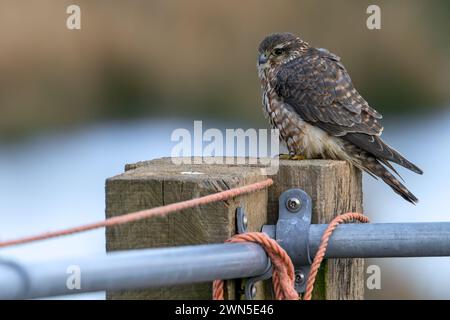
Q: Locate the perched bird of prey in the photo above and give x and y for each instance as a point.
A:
(309, 96)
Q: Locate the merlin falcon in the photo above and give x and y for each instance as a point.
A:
(309, 97)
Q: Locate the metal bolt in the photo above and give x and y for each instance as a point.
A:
(253, 291)
(244, 222)
(293, 204)
(299, 277)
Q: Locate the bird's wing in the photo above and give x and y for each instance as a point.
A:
(318, 87)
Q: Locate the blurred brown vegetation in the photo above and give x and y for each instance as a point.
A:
(197, 58)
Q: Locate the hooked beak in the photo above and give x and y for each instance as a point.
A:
(262, 59)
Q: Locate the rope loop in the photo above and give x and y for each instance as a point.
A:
(283, 270)
(283, 277)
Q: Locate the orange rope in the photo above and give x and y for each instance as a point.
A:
(283, 270)
(343, 218)
(144, 214)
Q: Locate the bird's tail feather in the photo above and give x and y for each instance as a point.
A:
(381, 150)
(401, 160)
(380, 171)
(390, 154)
(370, 164)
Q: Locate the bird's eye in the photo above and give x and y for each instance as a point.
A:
(278, 51)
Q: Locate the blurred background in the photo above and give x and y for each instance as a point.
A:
(76, 105)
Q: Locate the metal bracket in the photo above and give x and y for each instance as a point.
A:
(249, 287)
(292, 232)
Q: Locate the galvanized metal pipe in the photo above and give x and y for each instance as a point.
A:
(378, 240)
(134, 269)
(190, 264)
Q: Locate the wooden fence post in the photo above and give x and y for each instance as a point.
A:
(161, 182)
(334, 186)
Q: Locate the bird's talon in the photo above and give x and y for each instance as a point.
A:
(291, 157)
(284, 156)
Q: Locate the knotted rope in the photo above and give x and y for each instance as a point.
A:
(283, 276)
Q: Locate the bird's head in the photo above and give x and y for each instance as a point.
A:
(279, 48)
